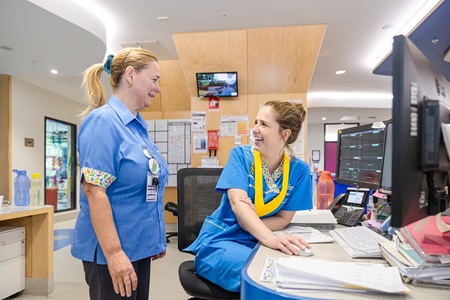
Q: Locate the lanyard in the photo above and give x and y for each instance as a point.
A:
(153, 164)
(263, 209)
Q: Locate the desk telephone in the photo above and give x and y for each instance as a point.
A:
(348, 208)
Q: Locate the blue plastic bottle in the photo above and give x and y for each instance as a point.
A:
(22, 188)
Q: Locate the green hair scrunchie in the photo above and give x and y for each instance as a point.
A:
(108, 64)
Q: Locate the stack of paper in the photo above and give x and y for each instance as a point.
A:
(412, 267)
(312, 274)
(318, 218)
(422, 251)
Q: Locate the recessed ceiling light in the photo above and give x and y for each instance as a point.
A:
(323, 119)
(163, 19)
(340, 72)
(53, 71)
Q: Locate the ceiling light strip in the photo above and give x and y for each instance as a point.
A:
(424, 11)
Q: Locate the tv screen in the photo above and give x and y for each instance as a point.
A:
(217, 84)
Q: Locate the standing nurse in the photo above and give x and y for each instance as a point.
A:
(120, 227)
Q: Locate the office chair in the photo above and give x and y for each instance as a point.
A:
(197, 199)
(173, 208)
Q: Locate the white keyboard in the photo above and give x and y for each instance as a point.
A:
(359, 241)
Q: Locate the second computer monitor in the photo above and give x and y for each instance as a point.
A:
(360, 156)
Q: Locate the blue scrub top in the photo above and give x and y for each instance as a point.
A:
(110, 145)
(239, 173)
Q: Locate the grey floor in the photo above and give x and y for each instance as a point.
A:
(69, 275)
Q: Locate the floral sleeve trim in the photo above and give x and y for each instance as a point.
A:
(98, 178)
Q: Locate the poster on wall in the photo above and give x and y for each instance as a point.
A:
(200, 142)
(234, 125)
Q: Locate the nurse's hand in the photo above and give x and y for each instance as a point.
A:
(122, 273)
(286, 243)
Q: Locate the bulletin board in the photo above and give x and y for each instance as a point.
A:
(173, 138)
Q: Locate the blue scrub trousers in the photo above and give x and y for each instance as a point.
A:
(222, 262)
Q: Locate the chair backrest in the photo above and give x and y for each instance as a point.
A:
(197, 199)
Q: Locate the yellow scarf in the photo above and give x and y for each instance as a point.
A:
(263, 209)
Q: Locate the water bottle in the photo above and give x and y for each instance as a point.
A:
(22, 188)
(325, 190)
(35, 192)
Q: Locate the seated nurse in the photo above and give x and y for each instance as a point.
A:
(262, 188)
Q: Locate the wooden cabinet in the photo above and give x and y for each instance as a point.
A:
(38, 223)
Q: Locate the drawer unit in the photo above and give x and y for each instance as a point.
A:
(12, 260)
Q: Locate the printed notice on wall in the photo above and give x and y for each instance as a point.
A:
(198, 121)
(234, 125)
(200, 142)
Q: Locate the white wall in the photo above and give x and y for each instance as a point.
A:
(315, 141)
(30, 106)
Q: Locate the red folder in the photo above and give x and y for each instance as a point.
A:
(429, 236)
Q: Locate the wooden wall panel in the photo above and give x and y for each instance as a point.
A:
(174, 94)
(213, 51)
(282, 59)
(174, 91)
(272, 64)
(5, 136)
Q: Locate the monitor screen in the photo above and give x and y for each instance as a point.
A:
(217, 84)
(419, 163)
(360, 156)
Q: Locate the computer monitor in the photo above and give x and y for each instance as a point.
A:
(360, 156)
(420, 166)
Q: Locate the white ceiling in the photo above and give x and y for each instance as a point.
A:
(63, 35)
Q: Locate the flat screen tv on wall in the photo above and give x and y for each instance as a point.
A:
(217, 84)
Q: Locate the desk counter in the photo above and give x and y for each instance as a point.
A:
(254, 288)
(38, 223)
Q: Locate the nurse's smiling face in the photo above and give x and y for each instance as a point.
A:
(145, 85)
(267, 132)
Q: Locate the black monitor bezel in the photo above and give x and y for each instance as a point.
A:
(213, 73)
(384, 188)
(346, 181)
(414, 80)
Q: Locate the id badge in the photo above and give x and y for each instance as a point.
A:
(152, 189)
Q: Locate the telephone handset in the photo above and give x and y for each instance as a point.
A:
(337, 202)
(348, 208)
